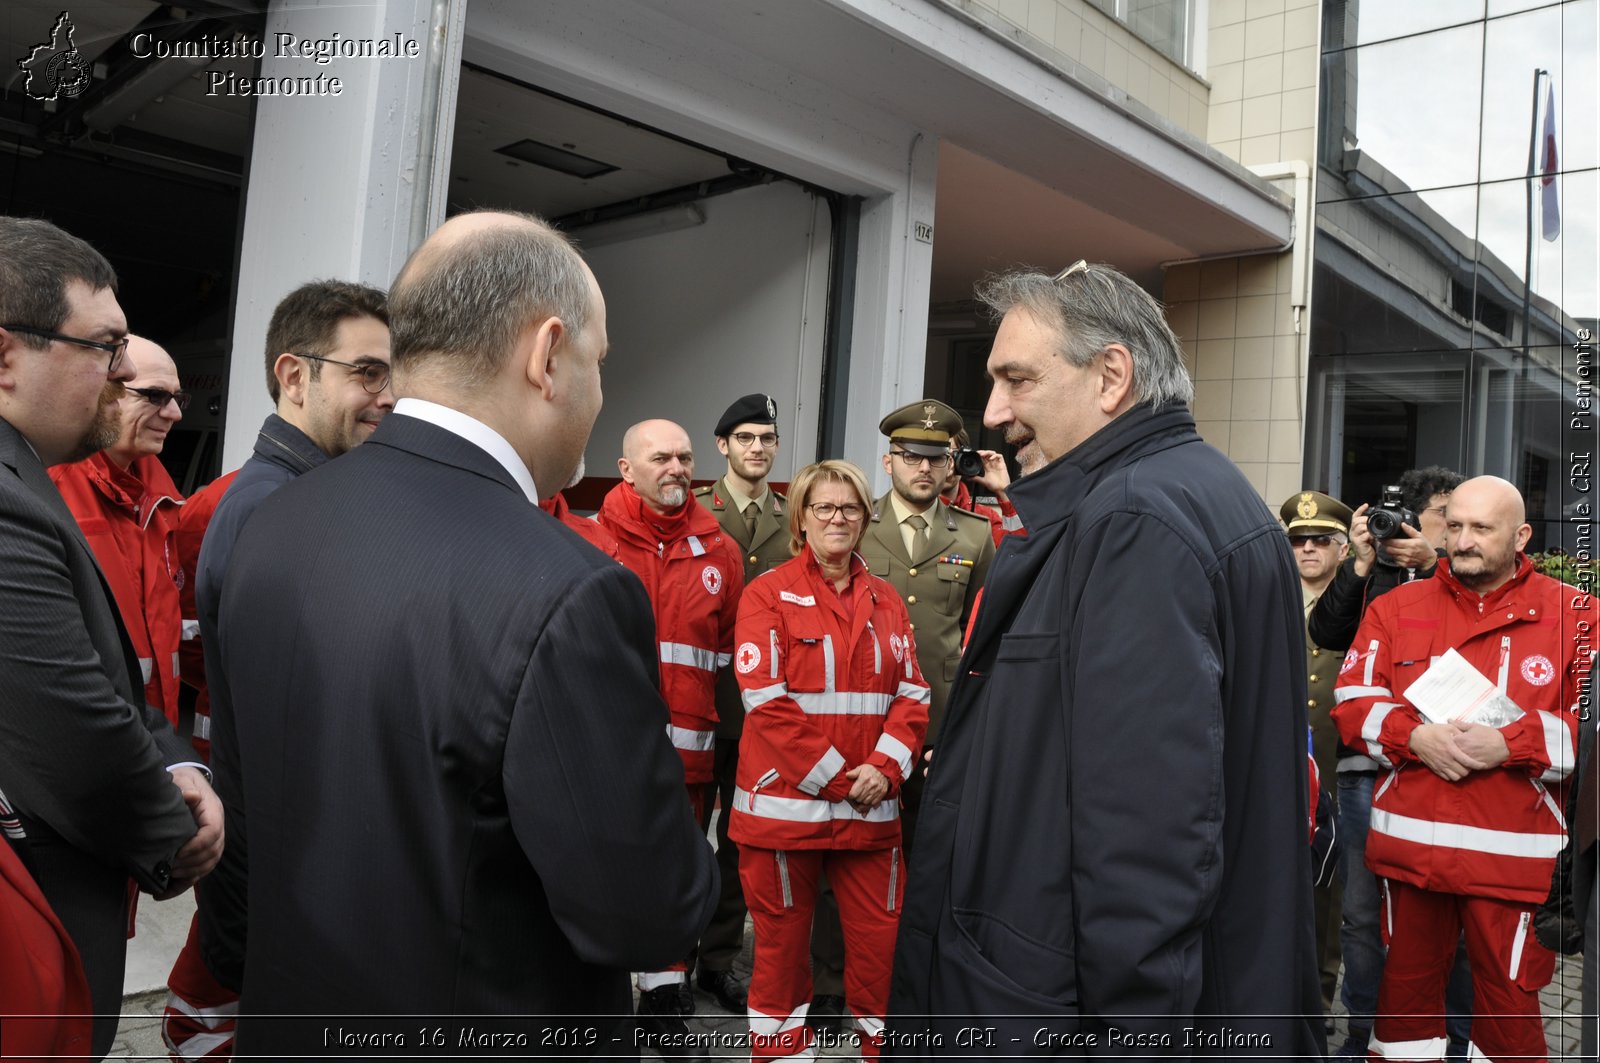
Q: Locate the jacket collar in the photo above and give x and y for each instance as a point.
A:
(1053, 493)
(1510, 590)
(140, 489)
(282, 444)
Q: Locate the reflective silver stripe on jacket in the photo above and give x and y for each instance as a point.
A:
(823, 771)
(895, 750)
(1557, 747)
(1460, 836)
(800, 810)
(689, 656)
(693, 741)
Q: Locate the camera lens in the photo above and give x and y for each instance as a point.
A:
(1383, 524)
(969, 464)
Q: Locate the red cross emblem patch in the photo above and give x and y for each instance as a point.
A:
(748, 658)
(1538, 670)
(712, 578)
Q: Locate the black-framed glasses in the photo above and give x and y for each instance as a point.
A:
(768, 440)
(1321, 542)
(115, 348)
(825, 511)
(159, 397)
(913, 460)
(374, 375)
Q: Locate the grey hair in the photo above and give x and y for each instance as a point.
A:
(465, 303)
(37, 262)
(1091, 309)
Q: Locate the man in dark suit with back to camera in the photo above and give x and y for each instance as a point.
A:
(96, 786)
(460, 796)
(1112, 854)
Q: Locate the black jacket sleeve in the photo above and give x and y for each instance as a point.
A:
(595, 789)
(1337, 614)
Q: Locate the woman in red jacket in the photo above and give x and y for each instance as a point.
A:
(836, 711)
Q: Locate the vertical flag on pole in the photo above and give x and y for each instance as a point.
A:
(1549, 198)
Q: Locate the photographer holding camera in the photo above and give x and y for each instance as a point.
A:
(1411, 520)
(987, 469)
(1396, 541)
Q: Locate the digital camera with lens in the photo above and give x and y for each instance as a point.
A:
(969, 463)
(1385, 518)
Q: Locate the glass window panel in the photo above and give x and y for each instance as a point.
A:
(1562, 41)
(1517, 430)
(1374, 418)
(1415, 105)
(1388, 273)
(1369, 21)
(1511, 7)
(1565, 283)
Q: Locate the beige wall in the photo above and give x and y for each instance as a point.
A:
(1096, 44)
(1236, 317)
(1262, 62)
(1236, 320)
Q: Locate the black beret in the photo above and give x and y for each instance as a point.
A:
(752, 409)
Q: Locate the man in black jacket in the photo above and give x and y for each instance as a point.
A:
(460, 796)
(1113, 841)
(1332, 624)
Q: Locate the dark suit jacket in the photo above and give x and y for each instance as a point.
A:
(461, 797)
(82, 758)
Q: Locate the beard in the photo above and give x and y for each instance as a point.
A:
(1479, 569)
(673, 495)
(106, 428)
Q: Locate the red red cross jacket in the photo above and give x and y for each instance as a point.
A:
(693, 574)
(1495, 833)
(192, 522)
(129, 517)
(42, 987)
(556, 506)
(828, 683)
(1002, 522)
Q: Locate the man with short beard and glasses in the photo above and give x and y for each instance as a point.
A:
(128, 507)
(327, 369)
(95, 787)
(1467, 819)
(694, 574)
(935, 555)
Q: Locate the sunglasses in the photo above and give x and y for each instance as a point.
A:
(159, 397)
(1321, 542)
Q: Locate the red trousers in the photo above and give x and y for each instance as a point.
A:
(780, 887)
(200, 1016)
(1509, 967)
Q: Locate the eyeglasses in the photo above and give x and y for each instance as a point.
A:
(824, 511)
(159, 397)
(768, 440)
(1435, 509)
(1321, 542)
(115, 348)
(913, 460)
(374, 375)
(1079, 266)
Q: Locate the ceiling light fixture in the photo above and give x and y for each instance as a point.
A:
(558, 159)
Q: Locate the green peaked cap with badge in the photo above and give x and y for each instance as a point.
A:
(923, 427)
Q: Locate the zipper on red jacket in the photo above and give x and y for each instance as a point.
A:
(766, 780)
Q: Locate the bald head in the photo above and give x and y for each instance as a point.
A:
(658, 460)
(1485, 529)
(467, 294)
(144, 424)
